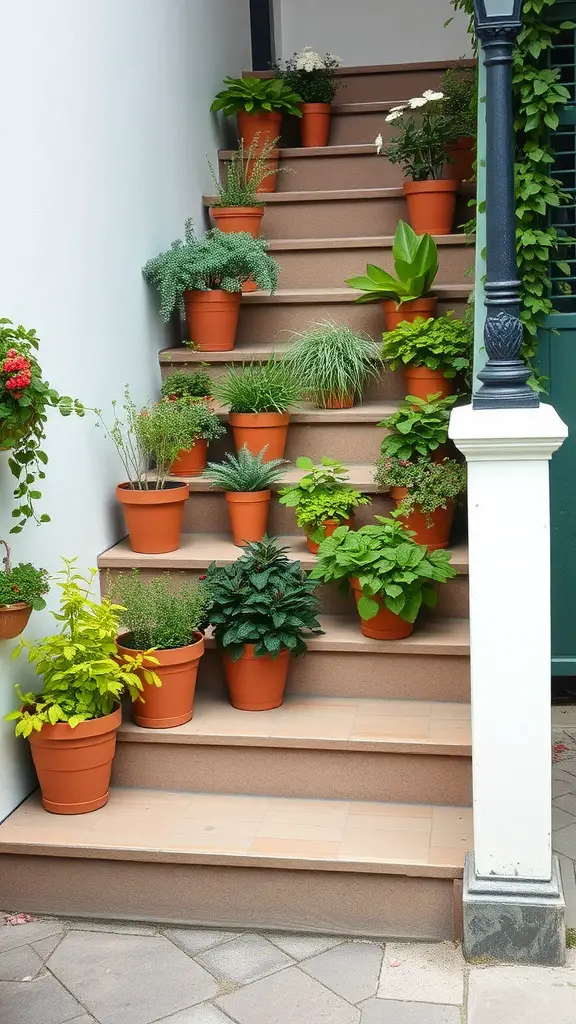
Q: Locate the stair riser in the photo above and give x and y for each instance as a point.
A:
(359, 128)
(208, 513)
(326, 268)
(300, 174)
(392, 85)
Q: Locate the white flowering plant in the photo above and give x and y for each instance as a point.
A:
(424, 132)
(310, 74)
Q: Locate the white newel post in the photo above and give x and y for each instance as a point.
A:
(513, 906)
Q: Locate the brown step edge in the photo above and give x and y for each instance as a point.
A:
(364, 242)
(301, 296)
(385, 69)
(331, 195)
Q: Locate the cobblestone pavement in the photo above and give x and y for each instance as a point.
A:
(564, 803)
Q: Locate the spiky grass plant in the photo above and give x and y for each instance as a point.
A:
(245, 172)
(259, 387)
(334, 361)
(245, 472)
(180, 384)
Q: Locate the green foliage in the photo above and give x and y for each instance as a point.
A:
(387, 563)
(162, 613)
(265, 599)
(419, 427)
(322, 493)
(416, 266)
(180, 384)
(190, 420)
(218, 261)
(430, 485)
(460, 103)
(334, 361)
(245, 173)
(22, 582)
(255, 95)
(310, 75)
(424, 132)
(83, 676)
(259, 387)
(245, 472)
(440, 343)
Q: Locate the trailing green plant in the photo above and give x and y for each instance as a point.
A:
(22, 582)
(259, 387)
(418, 427)
(255, 95)
(429, 485)
(245, 172)
(245, 472)
(310, 75)
(218, 261)
(416, 265)
(424, 132)
(334, 361)
(442, 343)
(161, 613)
(180, 384)
(265, 599)
(322, 493)
(460, 103)
(387, 563)
(83, 675)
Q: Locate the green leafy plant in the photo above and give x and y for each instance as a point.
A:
(322, 493)
(264, 599)
(22, 582)
(310, 75)
(161, 613)
(388, 565)
(245, 472)
(194, 420)
(180, 384)
(429, 485)
(334, 361)
(424, 132)
(259, 387)
(218, 261)
(443, 343)
(419, 427)
(245, 172)
(255, 95)
(83, 675)
(460, 103)
(416, 265)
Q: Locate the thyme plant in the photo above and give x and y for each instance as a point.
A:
(161, 613)
(429, 485)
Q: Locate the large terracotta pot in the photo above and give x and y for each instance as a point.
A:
(462, 155)
(329, 525)
(153, 518)
(239, 218)
(74, 765)
(258, 429)
(248, 513)
(14, 619)
(172, 703)
(431, 205)
(212, 319)
(256, 684)
(437, 534)
(191, 462)
(315, 124)
(407, 312)
(421, 382)
(385, 625)
(264, 123)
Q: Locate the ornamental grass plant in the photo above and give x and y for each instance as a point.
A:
(246, 170)
(334, 362)
(161, 613)
(418, 427)
(245, 472)
(460, 103)
(259, 387)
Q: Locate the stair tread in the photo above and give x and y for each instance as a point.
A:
(361, 242)
(360, 476)
(248, 831)
(310, 295)
(383, 69)
(330, 195)
(291, 152)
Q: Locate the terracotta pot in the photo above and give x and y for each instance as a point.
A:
(74, 765)
(407, 312)
(264, 123)
(269, 183)
(462, 155)
(171, 704)
(257, 429)
(238, 218)
(385, 625)
(191, 462)
(335, 402)
(14, 619)
(153, 518)
(431, 205)
(329, 525)
(248, 512)
(437, 535)
(212, 319)
(421, 382)
(256, 684)
(315, 124)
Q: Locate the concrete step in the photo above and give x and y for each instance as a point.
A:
(332, 167)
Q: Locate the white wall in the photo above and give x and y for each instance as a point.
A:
(105, 124)
(374, 31)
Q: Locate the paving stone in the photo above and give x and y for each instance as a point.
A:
(388, 1011)
(567, 803)
(41, 1001)
(45, 947)
(84, 1019)
(302, 946)
(568, 767)
(560, 786)
(351, 970)
(422, 972)
(15, 935)
(560, 818)
(19, 963)
(129, 979)
(565, 841)
(204, 1014)
(196, 940)
(120, 927)
(522, 995)
(288, 997)
(244, 959)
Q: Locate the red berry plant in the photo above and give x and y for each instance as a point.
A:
(25, 398)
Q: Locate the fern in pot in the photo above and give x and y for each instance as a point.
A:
(246, 480)
(258, 396)
(322, 499)
(335, 362)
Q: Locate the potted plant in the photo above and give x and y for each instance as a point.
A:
(153, 505)
(425, 492)
(323, 499)
(25, 398)
(312, 77)
(391, 576)
(167, 615)
(407, 295)
(204, 278)
(259, 104)
(195, 386)
(460, 103)
(246, 480)
(239, 206)
(72, 722)
(263, 611)
(432, 353)
(258, 396)
(418, 427)
(22, 589)
(424, 133)
(198, 426)
(335, 362)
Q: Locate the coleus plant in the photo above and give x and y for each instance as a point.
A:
(416, 265)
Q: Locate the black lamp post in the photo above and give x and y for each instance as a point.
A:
(504, 377)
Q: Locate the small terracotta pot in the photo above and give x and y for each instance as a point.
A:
(437, 535)
(191, 462)
(153, 518)
(74, 765)
(257, 429)
(264, 123)
(256, 684)
(171, 704)
(385, 625)
(238, 218)
(336, 402)
(462, 155)
(431, 205)
(248, 512)
(315, 124)
(407, 312)
(329, 525)
(212, 319)
(269, 183)
(421, 382)
(14, 619)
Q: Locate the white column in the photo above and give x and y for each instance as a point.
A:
(507, 451)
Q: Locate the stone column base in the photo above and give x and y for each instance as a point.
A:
(513, 920)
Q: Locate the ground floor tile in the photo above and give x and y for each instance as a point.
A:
(41, 1001)
(388, 1011)
(351, 969)
(522, 995)
(288, 997)
(423, 972)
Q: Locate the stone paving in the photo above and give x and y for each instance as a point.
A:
(564, 803)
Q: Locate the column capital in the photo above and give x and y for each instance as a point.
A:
(507, 435)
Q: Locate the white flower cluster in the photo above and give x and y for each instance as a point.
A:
(309, 60)
(429, 96)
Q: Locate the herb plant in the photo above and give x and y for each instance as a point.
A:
(245, 172)
(388, 565)
(429, 485)
(193, 420)
(22, 582)
(443, 343)
(419, 427)
(310, 75)
(264, 599)
(180, 384)
(161, 613)
(424, 132)
(416, 265)
(245, 472)
(460, 103)
(322, 493)
(334, 361)
(259, 387)
(254, 95)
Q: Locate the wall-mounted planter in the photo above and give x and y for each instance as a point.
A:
(153, 517)
(258, 429)
(212, 319)
(431, 205)
(256, 684)
(171, 704)
(14, 619)
(248, 512)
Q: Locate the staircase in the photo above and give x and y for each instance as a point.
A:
(347, 810)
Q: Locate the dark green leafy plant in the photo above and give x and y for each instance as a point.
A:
(255, 95)
(429, 485)
(419, 427)
(245, 172)
(322, 493)
(416, 266)
(259, 387)
(443, 343)
(387, 563)
(245, 472)
(187, 385)
(22, 582)
(161, 613)
(424, 132)
(334, 361)
(310, 75)
(264, 599)
(460, 103)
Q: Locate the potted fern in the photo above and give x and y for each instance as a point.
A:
(323, 500)
(22, 590)
(246, 480)
(335, 362)
(432, 352)
(258, 396)
(238, 206)
(259, 104)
